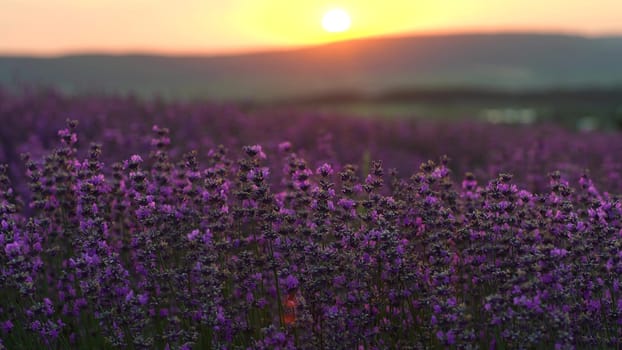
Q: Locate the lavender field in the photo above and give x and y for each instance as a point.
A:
(130, 224)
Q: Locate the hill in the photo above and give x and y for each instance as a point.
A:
(492, 61)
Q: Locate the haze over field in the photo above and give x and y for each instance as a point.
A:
(511, 61)
(278, 49)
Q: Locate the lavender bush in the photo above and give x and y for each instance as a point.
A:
(276, 230)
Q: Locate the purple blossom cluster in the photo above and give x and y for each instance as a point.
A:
(280, 247)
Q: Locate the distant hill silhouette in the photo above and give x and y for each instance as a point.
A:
(374, 65)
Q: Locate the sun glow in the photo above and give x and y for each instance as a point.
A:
(336, 21)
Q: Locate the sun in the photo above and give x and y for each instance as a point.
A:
(336, 21)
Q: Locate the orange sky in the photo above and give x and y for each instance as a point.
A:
(48, 27)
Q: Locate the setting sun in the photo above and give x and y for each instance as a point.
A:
(336, 21)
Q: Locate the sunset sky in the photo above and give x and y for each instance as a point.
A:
(50, 27)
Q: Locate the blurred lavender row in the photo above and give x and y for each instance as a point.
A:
(121, 125)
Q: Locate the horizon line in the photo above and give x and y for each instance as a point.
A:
(258, 50)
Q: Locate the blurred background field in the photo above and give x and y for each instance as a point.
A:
(338, 133)
(513, 78)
